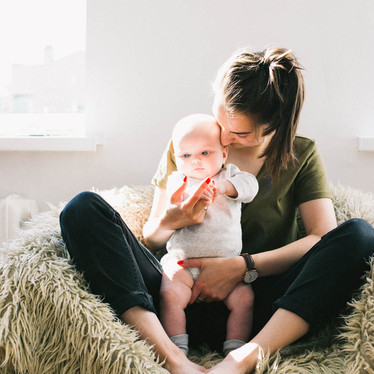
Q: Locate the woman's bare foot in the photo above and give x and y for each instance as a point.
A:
(228, 365)
(180, 364)
(240, 361)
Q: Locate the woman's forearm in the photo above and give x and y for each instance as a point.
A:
(158, 229)
(281, 259)
(219, 276)
(155, 234)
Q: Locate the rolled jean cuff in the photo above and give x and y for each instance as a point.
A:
(142, 299)
(301, 308)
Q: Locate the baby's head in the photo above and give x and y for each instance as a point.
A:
(197, 146)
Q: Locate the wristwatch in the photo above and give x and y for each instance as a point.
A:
(251, 273)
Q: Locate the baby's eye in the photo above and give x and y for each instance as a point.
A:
(185, 155)
(205, 153)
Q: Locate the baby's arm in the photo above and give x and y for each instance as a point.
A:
(227, 188)
(244, 184)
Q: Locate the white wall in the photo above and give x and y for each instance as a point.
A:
(151, 62)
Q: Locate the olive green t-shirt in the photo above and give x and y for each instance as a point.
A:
(269, 221)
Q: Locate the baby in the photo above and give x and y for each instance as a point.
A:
(201, 158)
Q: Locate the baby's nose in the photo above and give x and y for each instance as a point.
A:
(196, 160)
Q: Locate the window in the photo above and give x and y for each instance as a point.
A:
(42, 67)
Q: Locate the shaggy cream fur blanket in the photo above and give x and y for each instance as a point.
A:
(50, 323)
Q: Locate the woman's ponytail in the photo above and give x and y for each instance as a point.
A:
(269, 86)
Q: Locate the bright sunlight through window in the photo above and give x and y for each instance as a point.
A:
(42, 67)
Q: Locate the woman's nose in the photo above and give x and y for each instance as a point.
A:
(226, 138)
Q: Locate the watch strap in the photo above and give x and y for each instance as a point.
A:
(249, 261)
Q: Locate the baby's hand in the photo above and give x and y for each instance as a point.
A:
(225, 187)
(209, 193)
(219, 188)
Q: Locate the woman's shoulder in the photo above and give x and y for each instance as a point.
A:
(304, 144)
(310, 172)
(305, 148)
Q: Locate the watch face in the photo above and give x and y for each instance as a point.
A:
(251, 276)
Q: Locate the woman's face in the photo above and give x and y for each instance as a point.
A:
(237, 130)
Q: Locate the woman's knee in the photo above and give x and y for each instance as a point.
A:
(360, 235)
(79, 209)
(355, 242)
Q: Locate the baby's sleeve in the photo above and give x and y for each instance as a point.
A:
(246, 184)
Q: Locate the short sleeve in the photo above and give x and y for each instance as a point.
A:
(165, 167)
(312, 182)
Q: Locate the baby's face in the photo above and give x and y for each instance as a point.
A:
(199, 154)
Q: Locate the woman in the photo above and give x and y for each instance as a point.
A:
(302, 283)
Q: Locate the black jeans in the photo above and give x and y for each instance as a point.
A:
(125, 273)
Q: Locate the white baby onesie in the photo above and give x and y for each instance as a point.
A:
(219, 235)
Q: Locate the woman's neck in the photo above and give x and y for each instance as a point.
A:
(249, 158)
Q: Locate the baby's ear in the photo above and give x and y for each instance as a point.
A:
(225, 153)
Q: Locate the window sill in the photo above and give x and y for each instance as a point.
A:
(48, 144)
(365, 143)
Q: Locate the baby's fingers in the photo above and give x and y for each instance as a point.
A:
(207, 195)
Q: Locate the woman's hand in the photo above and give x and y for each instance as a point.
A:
(171, 213)
(182, 212)
(217, 278)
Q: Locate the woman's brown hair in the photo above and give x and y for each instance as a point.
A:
(269, 86)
